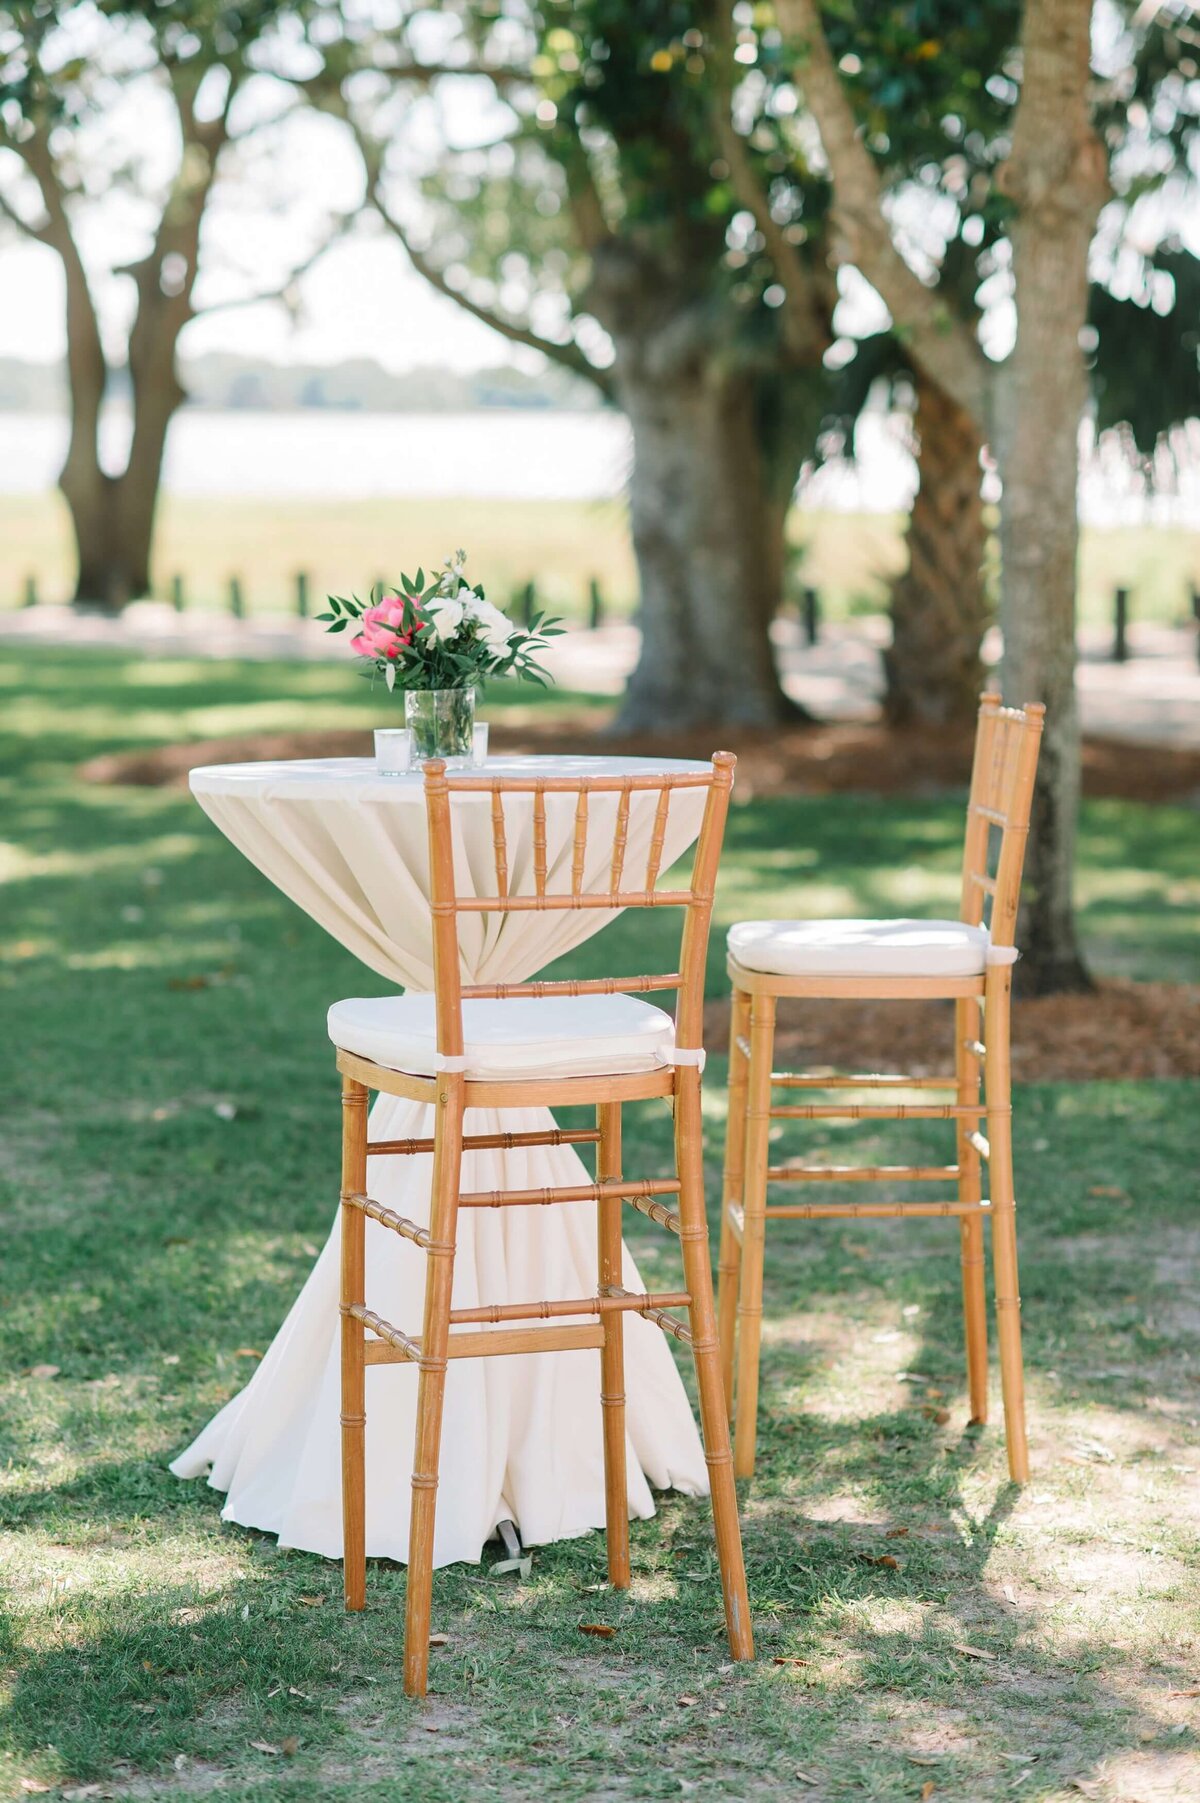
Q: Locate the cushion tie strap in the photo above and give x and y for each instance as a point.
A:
(1002, 954)
(442, 1061)
(691, 1055)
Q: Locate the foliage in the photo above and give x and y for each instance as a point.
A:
(441, 633)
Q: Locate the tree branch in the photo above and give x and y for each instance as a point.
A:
(39, 233)
(583, 197)
(568, 355)
(282, 290)
(939, 341)
(806, 324)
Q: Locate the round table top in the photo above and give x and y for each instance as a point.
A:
(325, 779)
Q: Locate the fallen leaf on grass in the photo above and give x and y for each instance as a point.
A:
(788, 1659)
(887, 1560)
(970, 1652)
(76, 1791)
(45, 1371)
(686, 1702)
(600, 1628)
(927, 1789)
(33, 1786)
(896, 1533)
(439, 1640)
(246, 1352)
(311, 1602)
(1095, 1449)
(263, 1746)
(1107, 1189)
(293, 1692)
(289, 1747)
(940, 1416)
(1184, 1693)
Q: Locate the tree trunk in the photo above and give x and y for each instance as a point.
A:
(939, 607)
(113, 524)
(1058, 179)
(708, 535)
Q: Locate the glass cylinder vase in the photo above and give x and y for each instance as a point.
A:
(441, 722)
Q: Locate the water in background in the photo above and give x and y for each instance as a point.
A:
(533, 454)
(501, 454)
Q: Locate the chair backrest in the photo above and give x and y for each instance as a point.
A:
(616, 888)
(1007, 742)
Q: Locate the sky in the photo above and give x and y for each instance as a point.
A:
(277, 193)
(363, 300)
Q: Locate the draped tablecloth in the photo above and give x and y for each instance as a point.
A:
(521, 1436)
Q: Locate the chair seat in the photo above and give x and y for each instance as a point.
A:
(860, 948)
(528, 1036)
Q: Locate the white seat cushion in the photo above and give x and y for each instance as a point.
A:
(529, 1036)
(860, 948)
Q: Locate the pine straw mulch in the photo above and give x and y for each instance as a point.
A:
(1119, 1030)
(799, 760)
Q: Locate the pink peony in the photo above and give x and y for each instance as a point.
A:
(380, 634)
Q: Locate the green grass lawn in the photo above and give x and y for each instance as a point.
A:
(168, 1164)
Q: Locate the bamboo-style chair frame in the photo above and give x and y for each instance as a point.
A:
(367, 1339)
(1005, 765)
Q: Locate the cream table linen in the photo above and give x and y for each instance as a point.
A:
(521, 1436)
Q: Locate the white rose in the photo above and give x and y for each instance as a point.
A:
(496, 629)
(445, 619)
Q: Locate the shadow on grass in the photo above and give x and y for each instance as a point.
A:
(861, 1668)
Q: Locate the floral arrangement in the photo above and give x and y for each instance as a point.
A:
(441, 633)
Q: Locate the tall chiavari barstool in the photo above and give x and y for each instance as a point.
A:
(969, 960)
(637, 1052)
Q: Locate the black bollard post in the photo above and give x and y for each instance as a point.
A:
(1120, 626)
(811, 613)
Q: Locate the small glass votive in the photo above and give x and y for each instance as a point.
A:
(479, 743)
(393, 750)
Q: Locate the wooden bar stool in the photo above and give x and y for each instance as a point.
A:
(967, 960)
(522, 1045)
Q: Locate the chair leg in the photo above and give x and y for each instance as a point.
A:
(431, 1389)
(714, 1423)
(355, 1098)
(998, 1081)
(612, 1353)
(966, 1033)
(754, 1202)
(729, 1260)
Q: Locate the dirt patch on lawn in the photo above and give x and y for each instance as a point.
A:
(797, 760)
